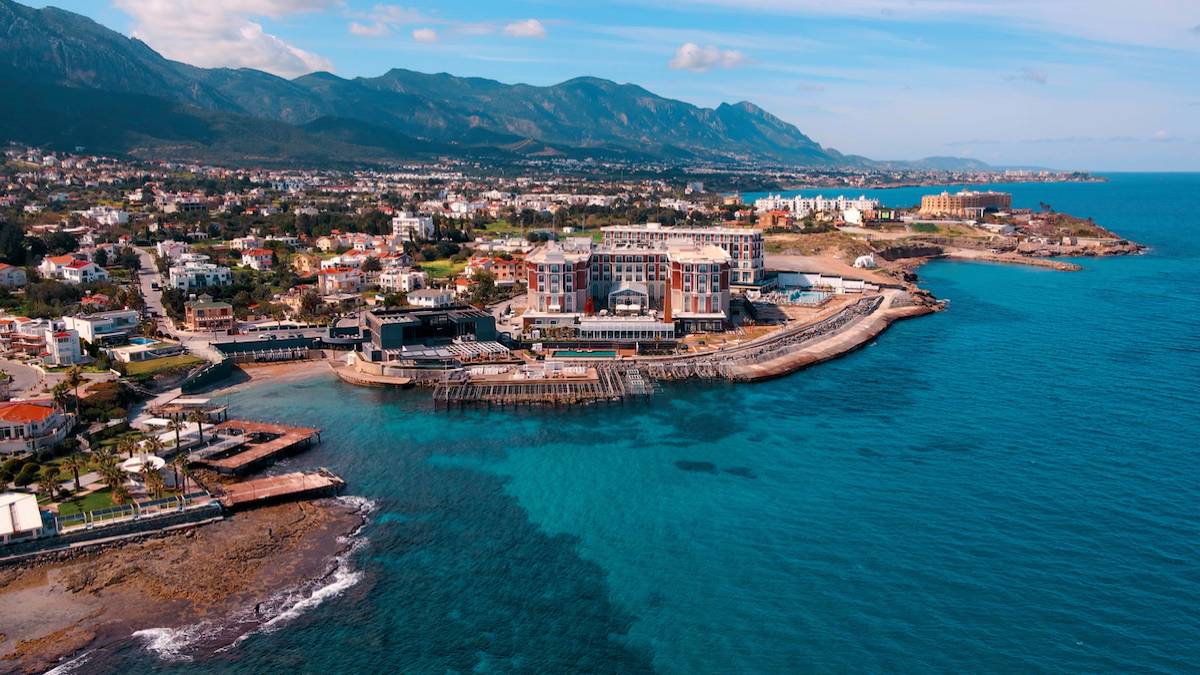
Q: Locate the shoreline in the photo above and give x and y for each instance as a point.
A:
(181, 593)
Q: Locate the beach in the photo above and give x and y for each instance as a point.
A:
(199, 588)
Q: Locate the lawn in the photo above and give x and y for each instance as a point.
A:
(443, 268)
(97, 500)
(154, 366)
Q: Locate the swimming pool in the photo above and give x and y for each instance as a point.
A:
(808, 297)
(141, 341)
(585, 354)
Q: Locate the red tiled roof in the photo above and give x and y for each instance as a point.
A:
(257, 252)
(24, 412)
(62, 259)
(78, 264)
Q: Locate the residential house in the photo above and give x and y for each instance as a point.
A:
(401, 280)
(412, 227)
(194, 274)
(208, 315)
(83, 272)
(258, 258)
(339, 280)
(431, 297)
(11, 276)
(114, 327)
(26, 426)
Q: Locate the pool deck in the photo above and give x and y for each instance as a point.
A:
(254, 454)
(302, 484)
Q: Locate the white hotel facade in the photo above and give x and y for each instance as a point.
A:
(800, 207)
(681, 277)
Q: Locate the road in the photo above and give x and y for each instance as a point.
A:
(196, 343)
(26, 380)
(513, 325)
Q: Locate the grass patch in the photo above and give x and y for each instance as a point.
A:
(155, 366)
(443, 268)
(97, 500)
(928, 228)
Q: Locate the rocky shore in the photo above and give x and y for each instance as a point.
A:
(220, 575)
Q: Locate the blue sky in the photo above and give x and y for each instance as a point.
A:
(1088, 84)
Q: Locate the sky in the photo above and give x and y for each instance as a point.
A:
(1072, 84)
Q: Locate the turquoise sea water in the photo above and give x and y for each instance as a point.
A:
(1008, 486)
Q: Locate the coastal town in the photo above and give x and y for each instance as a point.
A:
(130, 292)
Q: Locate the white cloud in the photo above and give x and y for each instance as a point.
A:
(693, 57)
(368, 30)
(529, 28)
(1033, 75)
(425, 35)
(213, 33)
(1152, 23)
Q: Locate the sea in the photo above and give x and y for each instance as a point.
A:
(1009, 486)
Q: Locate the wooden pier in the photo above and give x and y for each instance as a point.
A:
(602, 382)
(241, 445)
(274, 489)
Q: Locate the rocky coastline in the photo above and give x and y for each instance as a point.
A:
(221, 575)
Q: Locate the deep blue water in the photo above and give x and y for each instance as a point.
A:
(1008, 486)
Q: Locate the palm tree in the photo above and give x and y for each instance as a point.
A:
(180, 464)
(59, 394)
(76, 462)
(154, 445)
(152, 479)
(176, 426)
(48, 482)
(74, 379)
(127, 446)
(199, 417)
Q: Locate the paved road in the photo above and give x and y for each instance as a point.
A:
(148, 276)
(26, 380)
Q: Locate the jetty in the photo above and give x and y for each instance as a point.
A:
(240, 445)
(274, 489)
(551, 383)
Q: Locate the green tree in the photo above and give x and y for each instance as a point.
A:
(482, 289)
(73, 380)
(76, 462)
(198, 417)
(100, 257)
(47, 483)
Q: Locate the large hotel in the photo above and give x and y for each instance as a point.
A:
(643, 280)
(965, 204)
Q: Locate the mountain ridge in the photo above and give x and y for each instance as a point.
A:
(416, 113)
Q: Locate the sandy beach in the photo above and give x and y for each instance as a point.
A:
(187, 592)
(258, 373)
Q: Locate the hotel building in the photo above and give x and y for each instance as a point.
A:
(744, 245)
(965, 204)
(688, 283)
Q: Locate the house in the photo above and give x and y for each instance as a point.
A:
(172, 250)
(339, 280)
(195, 274)
(26, 426)
(431, 298)
(401, 280)
(62, 348)
(52, 265)
(105, 327)
(207, 315)
(20, 516)
(95, 302)
(83, 272)
(413, 227)
(145, 350)
(11, 276)
(258, 258)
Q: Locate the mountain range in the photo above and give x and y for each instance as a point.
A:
(71, 82)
